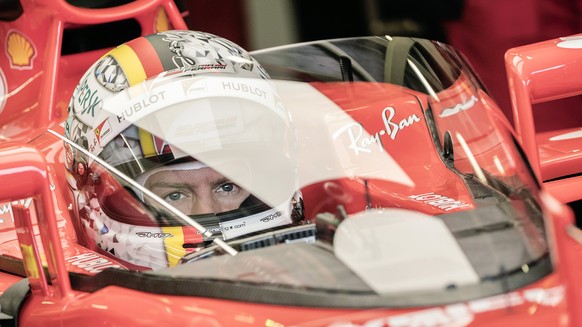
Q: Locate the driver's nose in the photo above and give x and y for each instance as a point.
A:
(205, 203)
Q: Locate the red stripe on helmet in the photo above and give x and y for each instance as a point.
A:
(192, 235)
(147, 55)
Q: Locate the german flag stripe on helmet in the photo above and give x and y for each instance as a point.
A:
(147, 143)
(148, 56)
(163, 49)
(130, 63)
(191, 235)
(175, 245)
(139, 61)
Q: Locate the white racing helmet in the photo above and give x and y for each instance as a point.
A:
(177, 102)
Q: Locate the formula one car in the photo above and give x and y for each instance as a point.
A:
(382, 185)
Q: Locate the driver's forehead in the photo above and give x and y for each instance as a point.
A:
(184, 176)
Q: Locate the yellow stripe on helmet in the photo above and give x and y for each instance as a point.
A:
(147, 143)
(174, 245)
(130, 63)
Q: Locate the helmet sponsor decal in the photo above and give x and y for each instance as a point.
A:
(129, 107)
(237, 86)
(102, 130)
(20, 50)
(269, 219)
(154, 235)
(141, 104)
(87, 99)
(271, 216)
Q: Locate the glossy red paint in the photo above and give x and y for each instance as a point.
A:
(536, 306)
(33, 63)
(543, 72)
(397, 126)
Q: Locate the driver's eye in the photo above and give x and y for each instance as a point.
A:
(174, 196)
(229, 187)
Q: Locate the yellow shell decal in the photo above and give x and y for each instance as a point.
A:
(20, 50)
(161, 22)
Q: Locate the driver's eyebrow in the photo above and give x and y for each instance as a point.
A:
(168, 184)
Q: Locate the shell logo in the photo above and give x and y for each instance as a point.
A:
(162, 22)
(20, 50)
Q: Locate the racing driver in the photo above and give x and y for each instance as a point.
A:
(175, 116)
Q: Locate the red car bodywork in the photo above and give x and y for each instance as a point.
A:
(38, 82)
(544, 72)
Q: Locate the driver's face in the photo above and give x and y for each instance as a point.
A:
(197, 191)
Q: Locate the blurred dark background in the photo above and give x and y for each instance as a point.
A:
(483, 30)
(262, 23)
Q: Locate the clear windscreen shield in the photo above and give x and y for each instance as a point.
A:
(270, 138)
(410, 147)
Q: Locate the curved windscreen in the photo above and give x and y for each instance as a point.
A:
(374, 167)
